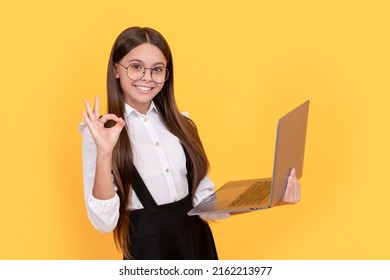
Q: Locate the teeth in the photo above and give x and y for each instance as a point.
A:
(144, 88)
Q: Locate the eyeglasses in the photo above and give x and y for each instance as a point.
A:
(136, 72)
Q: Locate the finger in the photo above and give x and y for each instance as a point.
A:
(88, 121)
(292, 189)
(90, 113)
(96, 108)
(107, 117)
(296, 185)
(120, 124)
(296, 190)
(287, 193)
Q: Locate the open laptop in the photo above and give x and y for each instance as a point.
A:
(256, 194)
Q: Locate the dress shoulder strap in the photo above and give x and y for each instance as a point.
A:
(141, 190)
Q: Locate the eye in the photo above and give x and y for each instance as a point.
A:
(136, 67)
(158, 70)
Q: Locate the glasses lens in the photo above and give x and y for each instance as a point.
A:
(135, 71)
(159, 74)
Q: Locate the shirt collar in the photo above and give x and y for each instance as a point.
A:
(130, 110)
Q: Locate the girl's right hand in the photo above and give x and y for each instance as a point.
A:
(105, 138)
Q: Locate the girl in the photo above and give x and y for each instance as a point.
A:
(144, 164)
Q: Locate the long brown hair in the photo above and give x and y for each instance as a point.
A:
(175, 122)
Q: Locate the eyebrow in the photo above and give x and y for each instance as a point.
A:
(140, 61)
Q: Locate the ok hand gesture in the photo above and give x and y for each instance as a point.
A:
(105, 138)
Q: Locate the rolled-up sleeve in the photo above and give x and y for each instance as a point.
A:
(103, 214)
(204, 190)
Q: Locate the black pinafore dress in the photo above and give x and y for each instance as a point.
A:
(166, 232)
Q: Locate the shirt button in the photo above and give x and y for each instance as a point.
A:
(167, 170)
(157, 144)
(145, 119)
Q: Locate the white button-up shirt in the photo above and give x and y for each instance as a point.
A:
(159, 159)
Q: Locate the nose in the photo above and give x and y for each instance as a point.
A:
(147, 75)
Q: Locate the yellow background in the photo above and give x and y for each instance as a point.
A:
(239, 66)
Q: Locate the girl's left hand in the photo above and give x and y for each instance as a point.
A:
(293, 190)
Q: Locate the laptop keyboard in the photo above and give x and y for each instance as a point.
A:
(253, 195)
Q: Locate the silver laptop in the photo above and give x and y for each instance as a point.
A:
(256, 194)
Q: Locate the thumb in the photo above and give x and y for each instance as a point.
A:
(120, 123)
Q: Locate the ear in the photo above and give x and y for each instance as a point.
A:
(116, 72)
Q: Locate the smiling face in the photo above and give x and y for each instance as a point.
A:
(138, 94)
